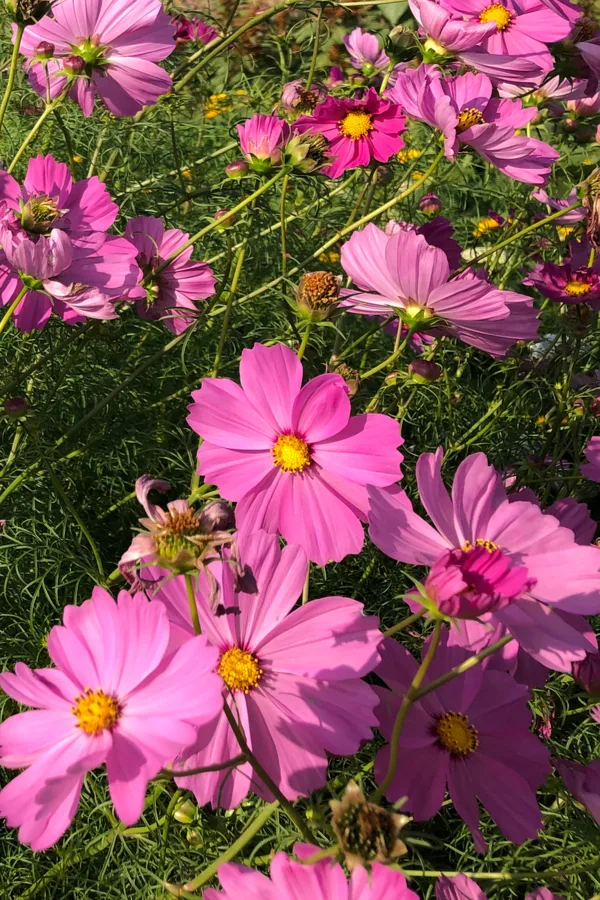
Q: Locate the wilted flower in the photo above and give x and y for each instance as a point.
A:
(351, 376)
(317, 294)
(366, 832)
(307, 152)
(583, 782)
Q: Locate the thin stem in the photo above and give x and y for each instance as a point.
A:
(228, 307)
(462, 667)
(407, 702)
(306, 585)
(391, 358)
(67, 137)
(266, 778)
(282, 220)
(321, 854)
(305, 337)
(313, 63)
(216, 767)
(8, 314)
(189, 586)
(165, 832)
(364, 336)
(33, 133)
(14, 62)
(404, 623)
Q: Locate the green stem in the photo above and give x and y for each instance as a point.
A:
(33, 133)
(306, 586)
(462, 667)
(67, 137)
(313, 63)
(228, 307)
(216, 767)
(283, 227)
(189, 586)
(165, 832)
(14, 62)
(405, 623)
(8, 314)
(407, 702)
(373, 330)
(266, 778)
(392, 357)
(305, 337)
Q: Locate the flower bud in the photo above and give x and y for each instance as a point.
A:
(216, 516)
(317, 294)
(430, 204)
(45, 50)
(423, 371)
(586, 673)
(225, 219)
(306, 152)
(74, 64)
(15, 406)
(237, 169)
(185, 812)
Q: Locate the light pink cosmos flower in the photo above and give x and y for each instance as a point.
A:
(262, 138)
(470, 735)
(403, 273)
(292, 456)
(365, 51)
(520, 26)
(463, 109)
(555, 88)
(438, 232)
(50, 199)
(110, 700)
(291, 677)
(461, 887)
(591, 469)
(585, 106)
(76, 279)
(291, 880)
(169, 295)
(111, 48)
(358, 130)
(555, 203)
(583, 782)
(564, 576)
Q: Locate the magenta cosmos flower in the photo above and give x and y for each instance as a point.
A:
(573, 281)
(463, 109)
(110, 700)
(471, 735)
(262, 139)
(583, 782)
(291, 880)
(357, 129)
(75, 279)
(461, 887)
(402, 273)
(292, 456)
(562, 576)
(555, 203)
(365, 51)
(591, 469)
(168, 295)
(104, 47)
(291, 677)
(520, 26)
(50, 199)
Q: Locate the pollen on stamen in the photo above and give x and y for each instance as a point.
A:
(577, 288)
(490, 546)
(469, 117)
(95, 711)
(497, 13)
(239, 669)
(356, 125)
(456, 735)
(291, 453)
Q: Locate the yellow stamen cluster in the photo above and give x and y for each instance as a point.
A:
(95, 711)
(217, 104)
(291, 453)
(456, 735)
(356, 125)
(490, 546)
(413, 310)
(484, 225)
(407, 154)
(239, 670)
(498, 14)
(577, 288)
(469, 117)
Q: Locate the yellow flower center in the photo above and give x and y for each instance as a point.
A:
(455, 734)
(356, 125)
(498, 14)
(95, 711)
(469, 117)
(291, 453)
(490, 546)
(413, 310)
(577, 288)
(484, 225)
(239, 670)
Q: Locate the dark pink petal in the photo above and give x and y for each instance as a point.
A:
(507, 797)
(477, 492)
(221, 414)
(321, 409)
(365, 451)
(235, 472)
(463, 794)
(421, 776)
(435, 497)
(271, 378)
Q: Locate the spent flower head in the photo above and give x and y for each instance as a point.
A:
(366, 832)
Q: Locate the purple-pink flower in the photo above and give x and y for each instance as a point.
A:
(262, 139)
(358, 129)
(461, 887)
(583, 782)
(104, 47)
(324, 880)
(562, 575)
(572, 282)
(591, 468)
(109, 700)
(471, 736)
(293, 457)
(365, 51)
(555, 203)
(403, 273)
(168, 294)
(193, 29)
(439, 232)
(463, 109)
(291, 677)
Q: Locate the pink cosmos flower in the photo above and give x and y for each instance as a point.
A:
(585, 106)
(296, 99)
(293, 457)
(291, 880)
(554, 203)
(291, 677)
(545, 91)
(365, 51)
(358, 130)
(520, 25)
(403, 273)
(110, 700)
(573, 281)
(50, 199)
(193, 29)
(169, 295)
(586, 673)
(75, 279)
(462, 107)
(461, 887)
(590, 51)
(471, 735)
(104, 47)
(438, 233)
(591, 469)
(262, 139)
(583, 782)
(564, 577)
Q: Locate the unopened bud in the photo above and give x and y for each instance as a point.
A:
(217, 516)
(15, 406)
(185, 812)
(430, 204)
(45, 50)
(423, 371)
(586, 673)
(74, 64)
(237, 169)
(225, 218)
(317, 294)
